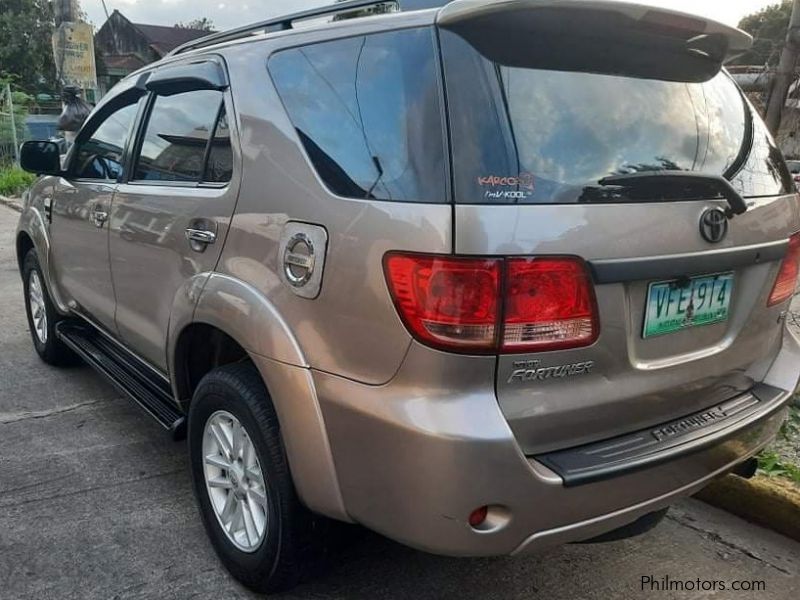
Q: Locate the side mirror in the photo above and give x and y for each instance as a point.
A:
(41, 158)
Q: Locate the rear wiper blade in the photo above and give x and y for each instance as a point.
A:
(736, 204)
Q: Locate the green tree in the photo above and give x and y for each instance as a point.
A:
(768, 28)
(204, 24)
(26, 51)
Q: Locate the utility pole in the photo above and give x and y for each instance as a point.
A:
(66, 11)
(785, 72)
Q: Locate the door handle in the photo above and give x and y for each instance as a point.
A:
(200, 238)
(99, 216)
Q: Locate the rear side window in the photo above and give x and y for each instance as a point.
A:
(368, 113)
(219, 166)
(175, 146)
(523, 135)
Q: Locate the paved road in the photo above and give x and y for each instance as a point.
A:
(95, 502)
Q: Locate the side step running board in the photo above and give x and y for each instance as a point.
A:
(126, 373)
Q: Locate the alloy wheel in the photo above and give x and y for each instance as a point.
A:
(37, 306)
(235, 481)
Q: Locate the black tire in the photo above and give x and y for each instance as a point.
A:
(277, 563)
(52, 350)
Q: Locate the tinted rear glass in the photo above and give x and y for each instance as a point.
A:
(174, 144)
(367, 111)
(543, 136)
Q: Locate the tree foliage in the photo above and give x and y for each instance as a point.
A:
(768, 28)
(203, 24)
(26, 51)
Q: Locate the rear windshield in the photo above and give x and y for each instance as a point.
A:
(534, 136)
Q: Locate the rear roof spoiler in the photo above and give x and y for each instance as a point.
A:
(599, 36)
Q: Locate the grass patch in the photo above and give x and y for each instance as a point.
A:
(14, 180)
(771, 465)
(778, 460)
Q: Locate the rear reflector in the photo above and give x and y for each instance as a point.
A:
(494, 305)
(478, 516)
(787, 274)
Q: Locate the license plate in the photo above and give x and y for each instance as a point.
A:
(679, 304)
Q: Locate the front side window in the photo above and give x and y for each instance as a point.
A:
(100, 156)
(176, 139)
(367, 111)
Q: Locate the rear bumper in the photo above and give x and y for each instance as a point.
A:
(416, 456)
(649, 447)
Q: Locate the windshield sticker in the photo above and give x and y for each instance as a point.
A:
(522, 182)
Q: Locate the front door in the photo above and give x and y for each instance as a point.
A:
(170, 217)
(81, 204)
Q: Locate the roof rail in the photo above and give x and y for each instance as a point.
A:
(283, 22)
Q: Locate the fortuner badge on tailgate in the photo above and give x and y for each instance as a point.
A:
(529, 370)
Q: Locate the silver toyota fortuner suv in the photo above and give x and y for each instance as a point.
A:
(484, 277)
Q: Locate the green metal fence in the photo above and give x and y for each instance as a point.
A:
(13, 128)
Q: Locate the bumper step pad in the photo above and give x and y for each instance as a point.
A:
(627, 453)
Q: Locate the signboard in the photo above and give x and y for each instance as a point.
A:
(73, 50)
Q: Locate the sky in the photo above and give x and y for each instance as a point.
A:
(230, 13)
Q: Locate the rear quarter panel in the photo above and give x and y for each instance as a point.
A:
(351, 328)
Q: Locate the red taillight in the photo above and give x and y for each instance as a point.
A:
(446, 302)
(494, 305)
(549, 305)
(787, 274)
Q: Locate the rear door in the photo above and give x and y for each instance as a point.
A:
(542, 128)
(171, 214)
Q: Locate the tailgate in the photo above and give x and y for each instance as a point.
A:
(682, 282)
(624, 381)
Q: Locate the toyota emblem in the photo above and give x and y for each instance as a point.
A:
(714, 225)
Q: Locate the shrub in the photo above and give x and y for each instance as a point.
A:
(14, 180)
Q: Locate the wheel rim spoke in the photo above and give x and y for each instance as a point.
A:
(249, 524)
(238, 440)
(220, 482)
(222, 440)
(234, 481)
(254, 473)
(247, 455)
(259, 513)
(219, 461)
(258, 496)
(229, 509)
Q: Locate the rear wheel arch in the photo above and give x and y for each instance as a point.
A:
(200, 348)
(225, 317)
